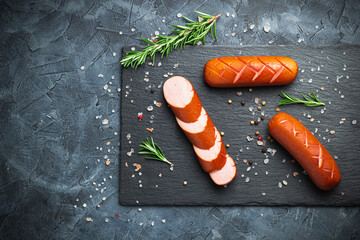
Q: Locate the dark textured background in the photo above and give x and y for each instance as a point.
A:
(50, 133)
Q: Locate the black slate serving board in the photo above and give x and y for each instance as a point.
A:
(333, 68)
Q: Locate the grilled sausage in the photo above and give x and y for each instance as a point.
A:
(306, 149)
(250, 71)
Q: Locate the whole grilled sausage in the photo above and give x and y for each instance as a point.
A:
(306, 149)
(250, 71)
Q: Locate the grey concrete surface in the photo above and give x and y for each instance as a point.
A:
(52, 134)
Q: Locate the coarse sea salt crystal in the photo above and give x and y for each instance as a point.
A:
(247, 179)
(353, 122)
(266, 28)
(280, 185)
(266, 161)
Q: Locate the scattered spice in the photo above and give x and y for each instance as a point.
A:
(257, 133)
(126, 164)
(222, 133)
(229, 101)
(243, 103)
(105, 121)
(256, 122)
(263, 150)
(260, 138)
(295, 174)
(138, 166)
(259, 108)
(150, 129)
(140, 116)
(262, 118)
(108, 143)
(107, 162)
(342, 193)
(152, 90)
(158, 104)
(277, 109)
(239, 93)
(250, 162)
(263, 103)
(227, 145)
(250, 89)
(89, 219)
(252, 122)
(185, 183)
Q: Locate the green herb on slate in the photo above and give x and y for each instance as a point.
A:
(310, 101)
(191, 34)
(151, 148)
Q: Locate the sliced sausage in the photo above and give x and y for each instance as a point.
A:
(213, 158)
(250, 71)
(186, 103)
(226, 174)
(197, 125)
(201, 133)
(306, 149)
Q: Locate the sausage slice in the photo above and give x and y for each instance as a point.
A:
(185, 104)
(213, 158)
(226, 174)
(200, 133)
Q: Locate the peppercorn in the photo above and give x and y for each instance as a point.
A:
(152, 90)
(259, 108)
(242, 103)
(250, 136)
(250, 162)
(229, 101)
(256, 122)
(259, 138)
(269, 137)
(263, 103)
(250, 89)
(222, 133)
(227, 145)
(185, 183)
(263, 150)
(140, 117)
(262, 117)
(257, 133)
(252, 122)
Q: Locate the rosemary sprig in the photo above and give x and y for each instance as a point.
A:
(192, 33)
(152, 148)
(309, 102)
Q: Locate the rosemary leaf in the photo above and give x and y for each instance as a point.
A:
(309, 102)
(192, 33)
(151, 148)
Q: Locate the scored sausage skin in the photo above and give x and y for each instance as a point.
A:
(250, 71)
(306, 149)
